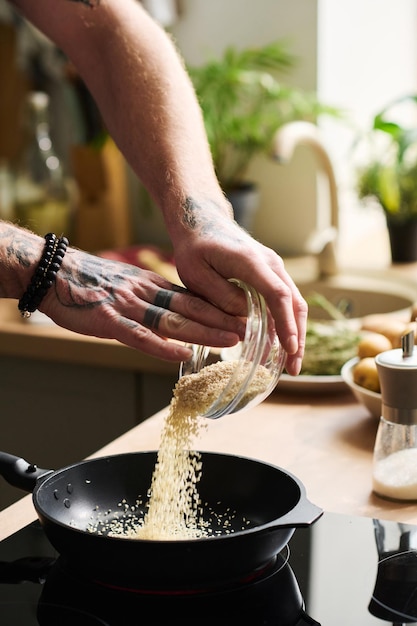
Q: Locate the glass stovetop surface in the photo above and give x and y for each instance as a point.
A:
(341, 571)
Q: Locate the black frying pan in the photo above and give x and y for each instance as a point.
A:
(272, 499)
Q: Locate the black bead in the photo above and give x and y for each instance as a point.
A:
(45, 273)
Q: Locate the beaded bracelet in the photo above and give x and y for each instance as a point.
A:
(45, 274)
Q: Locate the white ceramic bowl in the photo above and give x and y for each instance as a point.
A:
(370, 399)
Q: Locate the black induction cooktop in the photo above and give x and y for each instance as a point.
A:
(341, 571)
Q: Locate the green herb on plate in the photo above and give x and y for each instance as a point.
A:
(328, 344)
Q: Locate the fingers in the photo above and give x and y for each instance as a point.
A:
(178, 314)
(110, 300)
(284, 301)
(161, 312)
(182, 316)
(137, 336)
(265, 271)
(177, 327)
(294, 360)
(198, 309)
(150, 334)
(163, 298)
(140, 309)
(290, 313)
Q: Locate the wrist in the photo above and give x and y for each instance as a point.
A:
(195, 213)
(44, 275)
(20, 252)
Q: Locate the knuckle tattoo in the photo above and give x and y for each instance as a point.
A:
(153, 316)
(163, 298)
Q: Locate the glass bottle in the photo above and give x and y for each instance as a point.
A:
(6, 192)
(395, 451)
(42, 196)
(394, 596)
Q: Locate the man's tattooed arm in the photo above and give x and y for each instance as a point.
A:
(105, 298)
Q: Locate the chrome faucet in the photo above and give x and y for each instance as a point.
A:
(323, 242)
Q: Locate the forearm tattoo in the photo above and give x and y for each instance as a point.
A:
(18, 247)
(189, 213)
(202, 217)
(17, 254)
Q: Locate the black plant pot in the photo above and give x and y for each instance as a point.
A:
(245, 202)
(403, 240)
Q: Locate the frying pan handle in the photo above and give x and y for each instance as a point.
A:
(26, 569)
(19, 472)
(304, 513)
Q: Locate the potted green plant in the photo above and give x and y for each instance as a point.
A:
(390, 178)
(244, 104)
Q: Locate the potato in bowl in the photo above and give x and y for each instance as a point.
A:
(360, 373)
(368, 398)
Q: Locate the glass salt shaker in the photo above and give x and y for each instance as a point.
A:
(395, 451)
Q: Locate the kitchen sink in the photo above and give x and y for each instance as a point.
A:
(356, 296)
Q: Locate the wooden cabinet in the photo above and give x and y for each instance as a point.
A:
(54, 414)
(63, 396)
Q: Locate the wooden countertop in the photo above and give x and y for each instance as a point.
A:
(327, 441)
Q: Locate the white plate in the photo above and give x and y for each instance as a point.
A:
(311, 384)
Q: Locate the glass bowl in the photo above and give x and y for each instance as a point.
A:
(254, 364)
